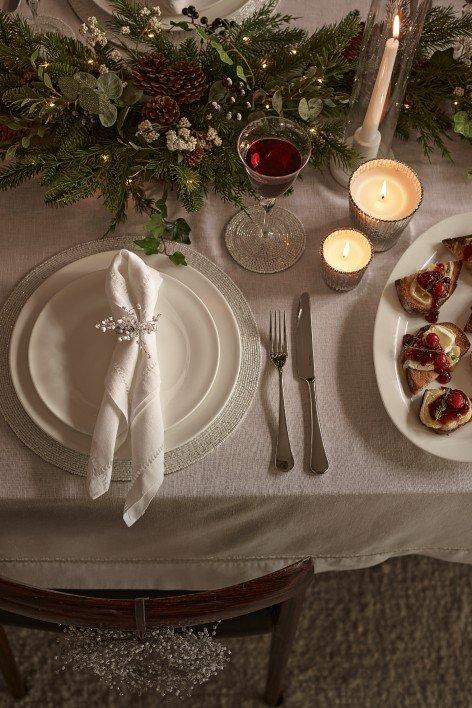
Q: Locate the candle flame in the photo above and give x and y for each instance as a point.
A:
(396, 27)
(346, 249)
(383, 190)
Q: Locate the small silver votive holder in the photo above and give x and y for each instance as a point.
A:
(384, 232)
(344, 280)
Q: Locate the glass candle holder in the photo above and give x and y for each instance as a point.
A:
(345, 255)
(391, 35)
(383, 196)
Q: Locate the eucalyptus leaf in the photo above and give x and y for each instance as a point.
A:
(255, 115)
(240, 73)
(108, 113)
(89, 101)
(131, 94)
(69, 86)
(328, 102)
(110, 84)
(183, 25)
(277, 102)
(217, 91)
(224, 56)
(178, 259)
(315, 106)
(25, 141)
(47, 81)
(121, 119)
(11, 152)
(34, 56)
(84, 77)
(303, 110)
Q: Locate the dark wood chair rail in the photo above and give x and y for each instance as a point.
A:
(277, 596)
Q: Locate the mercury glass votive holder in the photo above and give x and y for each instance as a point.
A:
(345, 255)
(383, 196)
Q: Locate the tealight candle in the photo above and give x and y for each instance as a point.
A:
(383, 196)
(345, 255)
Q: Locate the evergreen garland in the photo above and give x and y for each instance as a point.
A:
(70, 111)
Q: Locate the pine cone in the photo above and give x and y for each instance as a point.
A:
(161, 109)
(147, 74)
(185, 82)
(7, 134)
(194, 157)
(352, 51)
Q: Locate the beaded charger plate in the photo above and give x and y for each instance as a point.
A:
(192, 450)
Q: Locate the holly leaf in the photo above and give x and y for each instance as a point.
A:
(303, 110)
(150, 245)
(110, 84)
(178, 230)
(178, 258)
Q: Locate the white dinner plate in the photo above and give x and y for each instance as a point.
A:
(69, 357)
(182, 432)
(212, 9)
(392, 322)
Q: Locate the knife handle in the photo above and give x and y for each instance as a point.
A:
(283, 451)
(318, 460)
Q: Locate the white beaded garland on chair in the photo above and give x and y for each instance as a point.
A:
(167, 660)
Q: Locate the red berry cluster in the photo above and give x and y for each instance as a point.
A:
(437, 285)
(450, 406)
(426, 349)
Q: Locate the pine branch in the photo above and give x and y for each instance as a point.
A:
(16, 173)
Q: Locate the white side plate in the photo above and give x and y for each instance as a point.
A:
(392, 322)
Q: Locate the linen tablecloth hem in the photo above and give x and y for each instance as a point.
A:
(191, 574)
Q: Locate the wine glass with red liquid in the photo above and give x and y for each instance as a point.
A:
(266, 238)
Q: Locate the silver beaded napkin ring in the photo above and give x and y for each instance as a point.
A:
(129, 327)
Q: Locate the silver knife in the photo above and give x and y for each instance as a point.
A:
(306, 370)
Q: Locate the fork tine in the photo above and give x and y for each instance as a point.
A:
(285, 337)
(270, 334)
(279, 335)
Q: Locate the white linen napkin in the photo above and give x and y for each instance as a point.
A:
(131, 400)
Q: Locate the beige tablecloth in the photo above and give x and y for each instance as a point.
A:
(231, 516)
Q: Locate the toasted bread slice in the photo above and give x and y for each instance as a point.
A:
(417, 379)
(435, 426)
(457, 247)
(415, 307)
(468, 324)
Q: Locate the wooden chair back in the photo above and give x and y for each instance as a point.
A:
(176, 610)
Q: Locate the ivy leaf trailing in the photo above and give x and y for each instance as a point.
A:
(160, 229)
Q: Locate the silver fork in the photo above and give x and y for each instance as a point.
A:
(278, 356)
